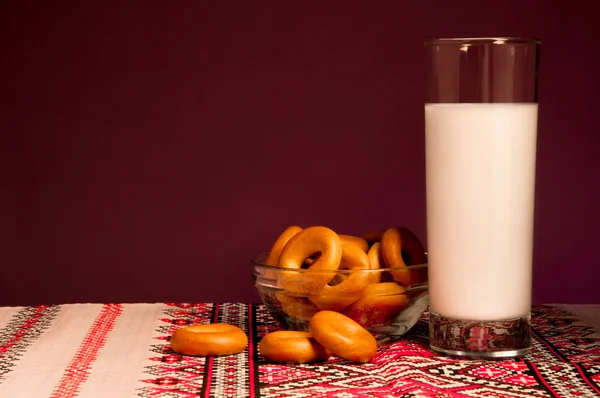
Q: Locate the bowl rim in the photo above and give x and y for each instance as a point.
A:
(256, 263)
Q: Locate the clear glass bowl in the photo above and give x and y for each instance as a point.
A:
(388, 301)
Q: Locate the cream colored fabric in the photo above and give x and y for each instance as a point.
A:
(75, 350)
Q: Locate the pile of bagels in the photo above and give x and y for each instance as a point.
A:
(337, 313)
(368, 298)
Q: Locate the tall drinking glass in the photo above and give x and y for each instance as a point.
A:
(480, 131)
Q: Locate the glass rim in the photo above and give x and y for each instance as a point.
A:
(483, 40)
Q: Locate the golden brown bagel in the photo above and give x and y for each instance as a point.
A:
(286, 346)
(211, 339)
(373, 236)
(354, 240)
(275, 252)
(400, 247)
(375, 261)
(303, 245)
(347, 290)
(379, 303)
(375, 258)
(343, 336)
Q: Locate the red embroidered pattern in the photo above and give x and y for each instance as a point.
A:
(174, 375)
(24, 328)
(78, 370)
(186, 376)
(564, 362)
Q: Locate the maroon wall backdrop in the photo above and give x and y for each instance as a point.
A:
(150, 150)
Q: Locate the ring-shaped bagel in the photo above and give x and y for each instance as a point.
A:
(287, 346)
(303, 245)
(354, 240)
(373, 236)
(343, 336)
(275, 252)
(379, 303)
(347, 290)
(375, 261)
(400, 248)
(211, 339)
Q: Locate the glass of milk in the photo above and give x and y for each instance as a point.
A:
(480, 131)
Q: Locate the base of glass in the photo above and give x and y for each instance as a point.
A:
(480, 339)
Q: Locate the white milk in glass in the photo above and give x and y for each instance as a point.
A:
(480, 202)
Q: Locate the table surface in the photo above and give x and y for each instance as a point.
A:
(122, 350)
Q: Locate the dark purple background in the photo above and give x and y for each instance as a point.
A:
(149, 151)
